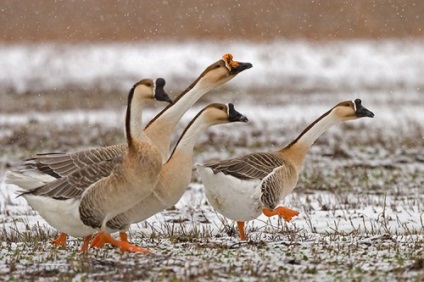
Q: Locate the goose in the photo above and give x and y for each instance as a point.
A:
(82, 210)
(176, 172)
(243, 187)
(159, 130)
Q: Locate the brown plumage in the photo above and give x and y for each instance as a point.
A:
(84, 200)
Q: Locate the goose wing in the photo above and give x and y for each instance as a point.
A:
(252, 166)
(74, 184)
(275, 185)
(62, 164)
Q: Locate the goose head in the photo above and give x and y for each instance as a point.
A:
(222, 71)
(222, 113)
(350, 110)
(149, 89)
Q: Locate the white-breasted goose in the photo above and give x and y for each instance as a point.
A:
(176, 172)
(82, 202)
(244, 187)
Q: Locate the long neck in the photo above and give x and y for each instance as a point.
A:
(160, 129)
(189, 137)
(296, 151)
(133, 119)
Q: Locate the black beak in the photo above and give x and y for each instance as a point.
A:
(361, 111)
(160, 93)
(234, 116)
(240, 67)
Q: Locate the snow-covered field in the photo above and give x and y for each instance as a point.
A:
(360, 195)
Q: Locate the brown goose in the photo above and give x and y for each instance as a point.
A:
(244, 187)
(82, 210)
(176, 172)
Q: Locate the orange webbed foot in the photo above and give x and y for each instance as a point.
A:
(282, 212)
(60, 241)
(123, 245)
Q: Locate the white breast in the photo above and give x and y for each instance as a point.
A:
(62, 215)
(233, 198)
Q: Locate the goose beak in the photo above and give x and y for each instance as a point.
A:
(234, 66)
(361, 111)
(234, 116)
(160, 93)
(240, 67)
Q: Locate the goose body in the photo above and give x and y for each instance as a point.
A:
(177, 171)
(82, 202)
(244, 187)
(242, 178)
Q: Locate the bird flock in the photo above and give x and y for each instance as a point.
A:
(97, 192)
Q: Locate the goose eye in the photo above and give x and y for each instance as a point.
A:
(148, 84)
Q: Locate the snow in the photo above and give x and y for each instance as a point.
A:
(306, 65)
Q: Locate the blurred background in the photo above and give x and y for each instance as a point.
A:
(106, 21)
(90, 45)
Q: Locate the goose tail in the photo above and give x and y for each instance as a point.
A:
(27, 178)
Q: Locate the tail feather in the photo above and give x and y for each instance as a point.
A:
(27, 179)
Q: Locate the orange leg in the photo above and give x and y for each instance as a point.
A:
(240, 225)
(60, 241)
(124, 246)
(97, 242)
(283, 212)
(123, 236)
(84, 246)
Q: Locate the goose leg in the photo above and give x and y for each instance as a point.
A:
(97, 242)
(123, 236)
(240, 225)
(60, 241)
(124, 246)
(84, 246)
(283, 212)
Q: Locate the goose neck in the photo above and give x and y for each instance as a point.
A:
(189, 137)
(298, 149)
(133, 120)
(174, 113)
(161, 128)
